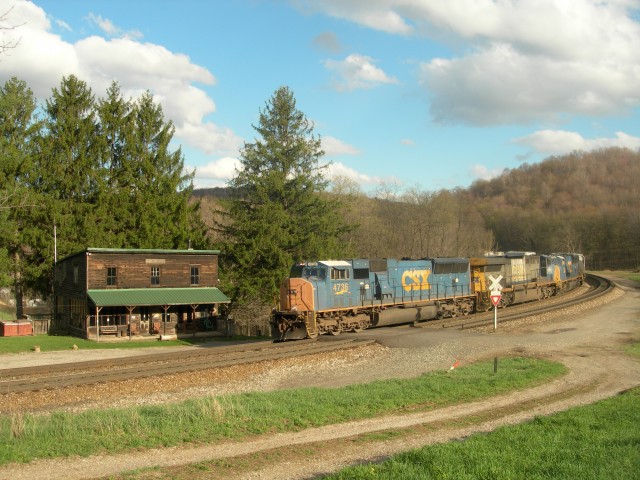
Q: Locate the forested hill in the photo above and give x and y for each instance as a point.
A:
(579, 182)
(588, 202)
(584, 202)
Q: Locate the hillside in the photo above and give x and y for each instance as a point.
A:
(585, 202)
(588, 202)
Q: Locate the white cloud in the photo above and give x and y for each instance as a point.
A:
(376, 14)
(215, 173)
(484, 173)
(524, 60)
(63, 25)
(218, 172)
(104, 24)
(108, 27)
(357, 72)
(501, 85)
(561, 142)
(332, 146)
(337, 169)
(42, 58)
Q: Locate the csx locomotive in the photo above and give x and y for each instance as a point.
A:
(333, 296)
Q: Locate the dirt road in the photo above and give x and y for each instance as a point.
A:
(589, 340)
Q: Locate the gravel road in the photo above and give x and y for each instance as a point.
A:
(588, 339)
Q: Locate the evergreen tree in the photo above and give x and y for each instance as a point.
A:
(164, 216)
(278, 212)
(114, 208)
(69, 165)
(18, 129)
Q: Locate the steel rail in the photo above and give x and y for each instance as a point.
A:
(599, 286)
(155, 365)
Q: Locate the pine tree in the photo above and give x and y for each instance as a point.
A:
(278, 212)
(115, 203)
(69, 165)
(164, 216)
(18, 130)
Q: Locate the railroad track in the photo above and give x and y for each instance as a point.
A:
(56, 376)
(154, 365)
(598, 286)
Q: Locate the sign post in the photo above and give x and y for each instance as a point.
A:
(496, 295)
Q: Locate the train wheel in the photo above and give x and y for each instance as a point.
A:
(360, 326)
(337, 330)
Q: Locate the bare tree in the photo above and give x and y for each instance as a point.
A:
(7, 42)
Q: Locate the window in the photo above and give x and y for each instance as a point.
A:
(155, 275)
(111, 275)
(339, 274)
(361, 273)
(75, 274)
(195, 275)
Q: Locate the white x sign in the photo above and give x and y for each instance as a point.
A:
(495, 283)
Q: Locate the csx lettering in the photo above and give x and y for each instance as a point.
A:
(415, 280)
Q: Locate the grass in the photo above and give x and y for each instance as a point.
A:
(635, 276)
(24, 437)
(596, 442)
(7, 313)
(50, 343)
(634, 349)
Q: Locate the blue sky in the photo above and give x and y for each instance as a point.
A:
(426, 94)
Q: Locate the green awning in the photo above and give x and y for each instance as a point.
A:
(139, 297)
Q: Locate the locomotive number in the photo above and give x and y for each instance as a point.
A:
(340, 288)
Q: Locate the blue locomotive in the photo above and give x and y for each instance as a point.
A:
(332, 296)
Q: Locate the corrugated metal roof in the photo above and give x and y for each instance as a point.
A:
(135, 297)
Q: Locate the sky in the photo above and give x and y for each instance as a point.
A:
(405, 94)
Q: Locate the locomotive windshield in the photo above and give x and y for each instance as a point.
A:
(308, 271)
(314, 272)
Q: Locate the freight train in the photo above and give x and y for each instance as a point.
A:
(333, 296)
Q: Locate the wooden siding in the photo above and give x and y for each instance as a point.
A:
(66, 283)
(133, 270)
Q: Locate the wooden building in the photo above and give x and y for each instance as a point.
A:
(125, 292)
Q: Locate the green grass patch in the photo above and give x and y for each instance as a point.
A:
(595, 442)
(635, 277)
(24, 437)
(7, 313)
(634, 349)
(50, 343)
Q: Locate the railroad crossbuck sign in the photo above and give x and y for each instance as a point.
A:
(495, 283)
(496, 289)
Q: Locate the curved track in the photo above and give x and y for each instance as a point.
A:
(201, 358)
(597, 286)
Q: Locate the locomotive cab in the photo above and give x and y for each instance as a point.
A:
(295, 316)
